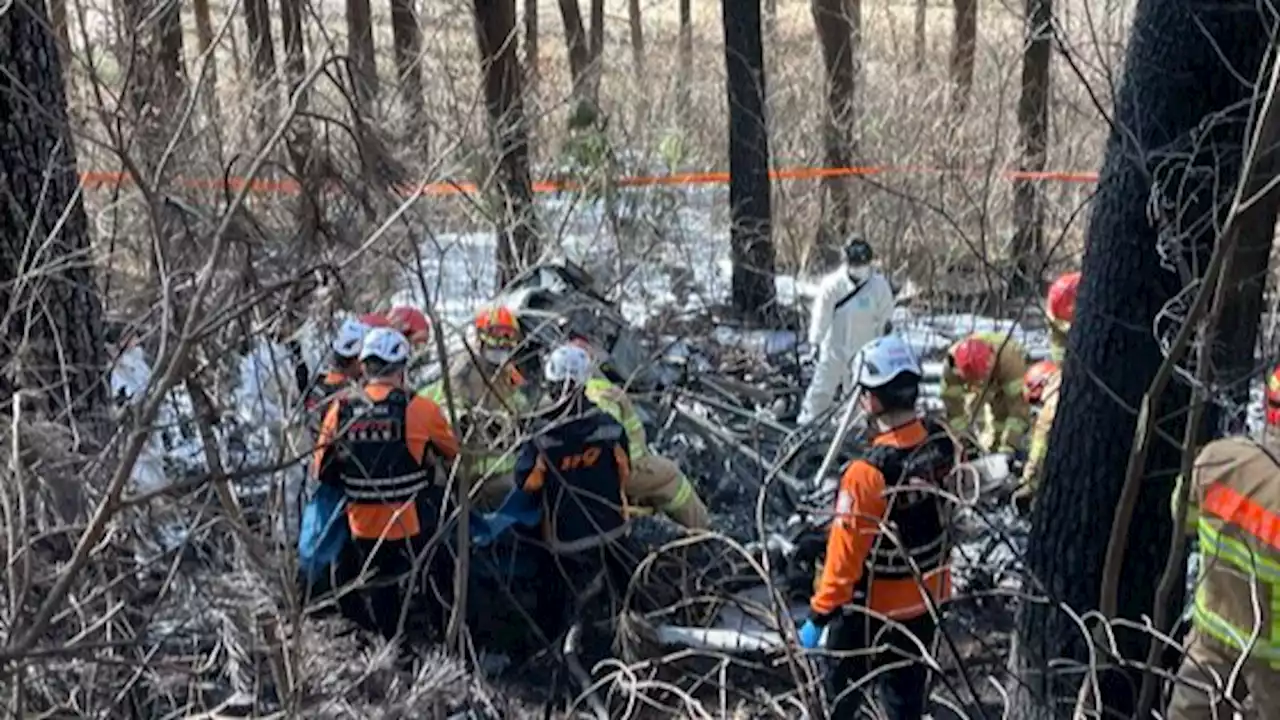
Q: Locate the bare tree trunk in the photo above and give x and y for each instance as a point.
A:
(300, 144)
(597, 30)
(172, 72)
(749, 200)
(581, 67)
(837, 35)
(262, 55)
(636, 22)
(1033, 130)
(204, 39)
(922, 36)
(517, 245)
(61, 33)
(407, 37)
(360, 54)
(51, 333)
(531, 73)
(964, 43)
(684, 54)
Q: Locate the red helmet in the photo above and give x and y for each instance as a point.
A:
(374, 319)
(1037, 377)
(973, 359)
(411, 322)
(1273, 397)
(497, 327)
(1062, 297)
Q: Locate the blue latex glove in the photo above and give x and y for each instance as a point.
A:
(810, 635)
(519, 507)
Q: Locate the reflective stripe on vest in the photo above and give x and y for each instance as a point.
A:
(1223, 505)
(597, 392)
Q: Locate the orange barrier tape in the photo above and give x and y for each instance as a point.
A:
(288, 186)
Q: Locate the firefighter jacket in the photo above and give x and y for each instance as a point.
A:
(656, 481)
(845, 316)
(1236, 489)
(580, 468)
(1040, 433)
(1058, 330)
(896, 484)
(380, 446)
(1007, 414)
(317, 394)
(486, 410)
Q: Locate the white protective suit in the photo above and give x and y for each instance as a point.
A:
(839, 333)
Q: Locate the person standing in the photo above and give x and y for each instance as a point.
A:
(854, 305)
(899, 577)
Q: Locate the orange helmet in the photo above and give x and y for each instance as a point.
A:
(496, 327)
(973, 359)
(1062, 297)
(411, 322)
(1273, 397)
(374, 320)
(1037, 377)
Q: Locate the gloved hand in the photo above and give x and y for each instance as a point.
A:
(520, 507)
(810, 635)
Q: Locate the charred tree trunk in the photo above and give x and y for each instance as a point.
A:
(964, 44)
(582, 67)
(262, 55)
(684, 54)
(407, 37)
(635, 21)
(1179, 118)
(360, 55)
(51, 333)
(1033, 130)
(753, 255)
(837, 35)
(517, 245)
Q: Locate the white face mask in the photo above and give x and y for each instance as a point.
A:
(496, 356)
(859, 273)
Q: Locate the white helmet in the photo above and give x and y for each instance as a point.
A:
(350, 338)
(387, 345)
(568, 363)
(883, 359)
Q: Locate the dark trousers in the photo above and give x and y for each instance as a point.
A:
(400, 576)
(902, 692)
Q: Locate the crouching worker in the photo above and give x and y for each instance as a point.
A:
(380, 446)
(1234, 646)
(1041, 388)
(987, 368)
(488, 397)
(895, 486)
(656, 482)
(574, 470)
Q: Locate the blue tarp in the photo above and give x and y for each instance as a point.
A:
(324, 532)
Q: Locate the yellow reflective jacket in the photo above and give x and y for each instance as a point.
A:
(1010, 414)
(614, 401)
(490, 408)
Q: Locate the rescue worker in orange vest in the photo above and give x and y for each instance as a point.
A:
(342, 370)
(380, 446)
(897, 484)
(576, 470)
(488, 398)
(656, 481)
(1234, 508)
(987, 367)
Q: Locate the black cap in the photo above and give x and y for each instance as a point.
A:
(857, 251)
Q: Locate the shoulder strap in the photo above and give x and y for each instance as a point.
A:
(850, 295)
(888, 460)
